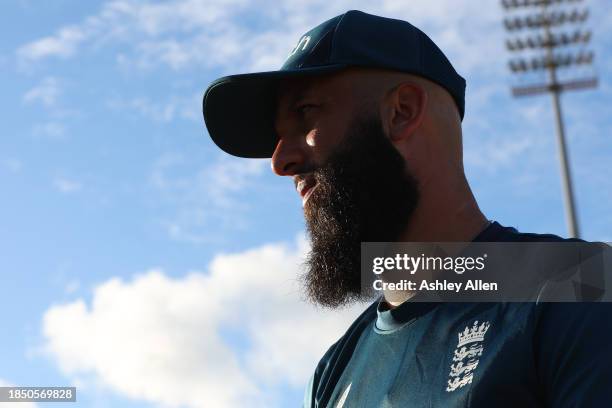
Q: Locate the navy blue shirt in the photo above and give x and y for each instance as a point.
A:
(471, 354)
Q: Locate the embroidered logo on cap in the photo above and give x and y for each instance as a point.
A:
(303, 43)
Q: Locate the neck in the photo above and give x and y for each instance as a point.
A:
(445, 213)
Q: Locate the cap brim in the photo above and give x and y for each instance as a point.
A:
(239, 110)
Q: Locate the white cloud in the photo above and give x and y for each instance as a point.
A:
(151, 110)
(498, 153)
(72, 286)
(5, 383)
(187, 33)
(46, 92)
(163, 112)
(66, 186)
(230, 176)
(205, 198)
(12, 165)
(228, 337)
(127, 21)
(50, 130)
(62, 44)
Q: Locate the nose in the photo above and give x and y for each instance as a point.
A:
(288, 157)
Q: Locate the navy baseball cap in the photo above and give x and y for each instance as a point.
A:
(239, 109)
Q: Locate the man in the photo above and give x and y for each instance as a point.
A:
(365, 116)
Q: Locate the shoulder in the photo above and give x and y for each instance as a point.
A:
(561, 269)
(348, 340)
(511, 234)
(333, 362)
(573, 353)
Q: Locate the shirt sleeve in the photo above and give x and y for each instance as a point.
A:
(573, 342)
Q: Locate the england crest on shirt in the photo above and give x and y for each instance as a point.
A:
(467, 355)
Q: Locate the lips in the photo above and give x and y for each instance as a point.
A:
(305, 187)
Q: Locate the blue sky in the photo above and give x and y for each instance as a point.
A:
(148, 268)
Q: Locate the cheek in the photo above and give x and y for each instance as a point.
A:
(319, 146)
(323, 136)
(312, 138)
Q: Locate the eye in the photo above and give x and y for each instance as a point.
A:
(305, 108)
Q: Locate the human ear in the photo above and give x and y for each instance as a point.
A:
(407, 110)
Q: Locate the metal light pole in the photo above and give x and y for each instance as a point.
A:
(543, 21)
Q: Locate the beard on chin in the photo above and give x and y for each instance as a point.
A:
(363, 193)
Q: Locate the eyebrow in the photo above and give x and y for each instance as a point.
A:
(293, 97)
(295, 90)
(298, 94)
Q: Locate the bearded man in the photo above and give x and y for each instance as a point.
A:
(365, 116)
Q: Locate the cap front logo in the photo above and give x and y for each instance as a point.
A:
(303, 43)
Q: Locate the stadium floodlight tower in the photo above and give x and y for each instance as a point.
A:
(540, 31)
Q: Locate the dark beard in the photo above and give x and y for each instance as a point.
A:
(363, 193)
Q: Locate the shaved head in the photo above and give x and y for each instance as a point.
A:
(441, 115)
